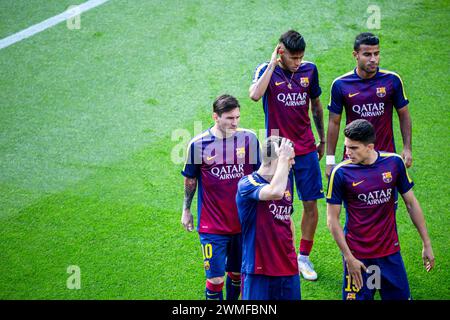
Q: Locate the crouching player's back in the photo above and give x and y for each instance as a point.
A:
(264, 201)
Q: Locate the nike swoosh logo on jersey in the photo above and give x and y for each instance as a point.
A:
(354, 184)
(279, 83)
(210, 158)
(350, 95)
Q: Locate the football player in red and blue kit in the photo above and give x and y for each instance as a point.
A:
(287, 86)
(369, 93)
(366, 184)
(216, 160)
(264, 201)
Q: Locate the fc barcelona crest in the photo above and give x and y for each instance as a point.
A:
(387, 177)
(304, 82)
(351, 296)
(287, 195)
(381, 92)
(240, 152)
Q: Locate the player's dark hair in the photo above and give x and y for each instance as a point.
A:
(225, 103)
(293, 41)
(360, 130)
(366, 38)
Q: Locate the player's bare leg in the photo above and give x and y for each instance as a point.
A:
(310, 219)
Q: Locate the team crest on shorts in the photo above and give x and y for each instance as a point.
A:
(387, 177)
(287, 195)
(381, 92)
(240, 152)
(206, 265)
(351, 296)
(304, 82)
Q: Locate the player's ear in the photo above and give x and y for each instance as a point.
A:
(355, 54)
(215, 116)
(281, 48)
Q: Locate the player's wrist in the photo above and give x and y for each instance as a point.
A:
(330, 160)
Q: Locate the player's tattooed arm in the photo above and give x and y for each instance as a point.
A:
(317, 112)
(190, 185)
(187, 220)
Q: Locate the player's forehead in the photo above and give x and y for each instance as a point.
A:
(366, 48)
(236, 112)
(349, 143)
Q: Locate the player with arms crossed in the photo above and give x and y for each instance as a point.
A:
(216, 160)
(287, 86)
(369, 93)
(366, 184)
(264, 200)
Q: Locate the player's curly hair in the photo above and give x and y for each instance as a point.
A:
(360, 130)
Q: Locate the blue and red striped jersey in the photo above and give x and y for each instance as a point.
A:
(218, 164)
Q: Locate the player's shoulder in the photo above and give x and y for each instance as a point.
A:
(200, 137)
(250, 180)
(308, 64)
(389, 73)
(391, 156)
(340, 167)
(341, 79)
(247, 132)
(261, 67)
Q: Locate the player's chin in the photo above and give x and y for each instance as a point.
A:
(372, 68)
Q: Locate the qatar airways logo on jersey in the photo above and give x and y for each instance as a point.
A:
(293, 99)
(280, 212)
(376, 197)
(232, 171)
(369, 109)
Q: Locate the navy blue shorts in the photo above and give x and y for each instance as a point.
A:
(308, 178)
(221, 253)
(261, 287)
(392, 284)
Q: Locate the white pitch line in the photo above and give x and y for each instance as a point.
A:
(68, 14)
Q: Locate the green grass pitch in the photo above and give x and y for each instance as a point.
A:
(86, 122)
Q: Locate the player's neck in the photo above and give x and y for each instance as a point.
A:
(371, 159)
(266, 172)
(365, 75)
(282, 66)
(221, 134)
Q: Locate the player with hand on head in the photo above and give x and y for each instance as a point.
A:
(288, 85)
(264, 201)
(216, 160)
(365, 184)
(369, 93)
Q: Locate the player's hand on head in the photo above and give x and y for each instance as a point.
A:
(286, 149)
(274, 57)
(187, 220)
